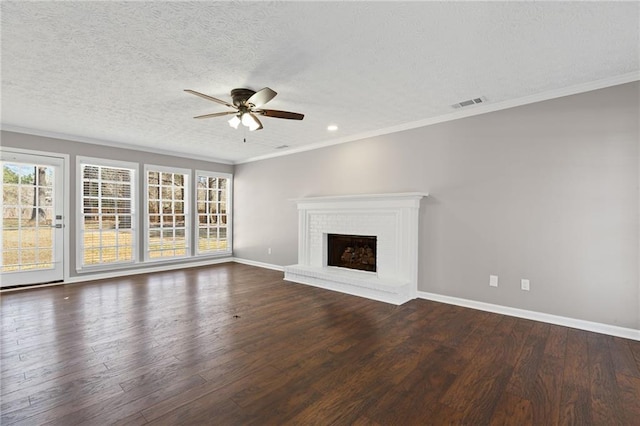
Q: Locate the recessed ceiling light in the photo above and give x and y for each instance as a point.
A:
(332, 128)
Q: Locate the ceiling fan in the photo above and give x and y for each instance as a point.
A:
(246, 107)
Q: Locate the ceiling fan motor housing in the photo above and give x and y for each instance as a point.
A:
(240, 96)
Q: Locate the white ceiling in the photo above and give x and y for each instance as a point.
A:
(114, 72)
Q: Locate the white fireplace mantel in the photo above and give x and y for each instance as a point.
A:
(391, 218)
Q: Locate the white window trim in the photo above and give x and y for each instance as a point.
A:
(196, 222)
(80, 160)
(187, 212)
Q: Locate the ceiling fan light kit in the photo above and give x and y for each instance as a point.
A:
(246, 106)
(235, 121)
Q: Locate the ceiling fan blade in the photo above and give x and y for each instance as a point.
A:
(210, 98)
(216, 114)
(280, 114)
(257, 121)
(261, 97)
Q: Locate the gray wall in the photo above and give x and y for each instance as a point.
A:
(73, 149)
(547, 191)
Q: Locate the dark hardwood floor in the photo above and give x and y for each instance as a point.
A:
(235, 345)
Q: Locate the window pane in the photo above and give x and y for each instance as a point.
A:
(124, 222)
(154, 221)
(90, 189)
(91, 256)
(167, 193)
(154, 192)
(211, 203)
(91, 222)
(167, 219)
(125, 254)
(153, 178)
(154, 207)
(107, 197)
(90, 172)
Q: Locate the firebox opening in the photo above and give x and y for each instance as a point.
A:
(352, 251)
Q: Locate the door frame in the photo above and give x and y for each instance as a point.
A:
(66, 196)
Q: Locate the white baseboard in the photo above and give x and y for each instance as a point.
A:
(627, 333)
(161, 268)
(258, 264)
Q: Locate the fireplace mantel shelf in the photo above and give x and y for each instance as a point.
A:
(363, 197)
(392, 218)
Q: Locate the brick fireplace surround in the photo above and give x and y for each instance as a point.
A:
(392, 218)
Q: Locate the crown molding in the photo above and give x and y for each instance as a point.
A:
(113, 144)
(462, 113)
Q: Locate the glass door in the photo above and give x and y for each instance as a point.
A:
(32, 219)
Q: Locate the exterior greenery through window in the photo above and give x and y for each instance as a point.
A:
(213, 202)
(27, 217)
(167, 213)
(107, 224)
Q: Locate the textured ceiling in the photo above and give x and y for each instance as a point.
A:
(115, 71)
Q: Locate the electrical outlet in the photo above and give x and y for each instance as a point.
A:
(269, 250)
(524, 284)
(493, 280)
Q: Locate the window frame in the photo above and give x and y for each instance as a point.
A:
(196, 221)
(134, 200)
(187, 201)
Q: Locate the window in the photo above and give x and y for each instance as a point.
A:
(107, 220)
(167, 212)
(213, 208)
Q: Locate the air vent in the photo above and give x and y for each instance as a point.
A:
(469, 102)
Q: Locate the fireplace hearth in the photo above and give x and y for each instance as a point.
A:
(352, 251)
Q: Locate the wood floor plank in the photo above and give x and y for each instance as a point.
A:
(557, 341)
(546, 391)
(234, 344)
(135, 419)
(622, 357)
(415, 399)
(284, 401)
(629, 390)
(603, 386)
(512, 410)
(211, 409)
(575, 395)
(213, 406)
(527, 367)
(232, 368)
(635, 350)
(487, 392)
(120, 408)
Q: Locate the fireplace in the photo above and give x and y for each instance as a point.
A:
(352, 251)
(390, 219)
